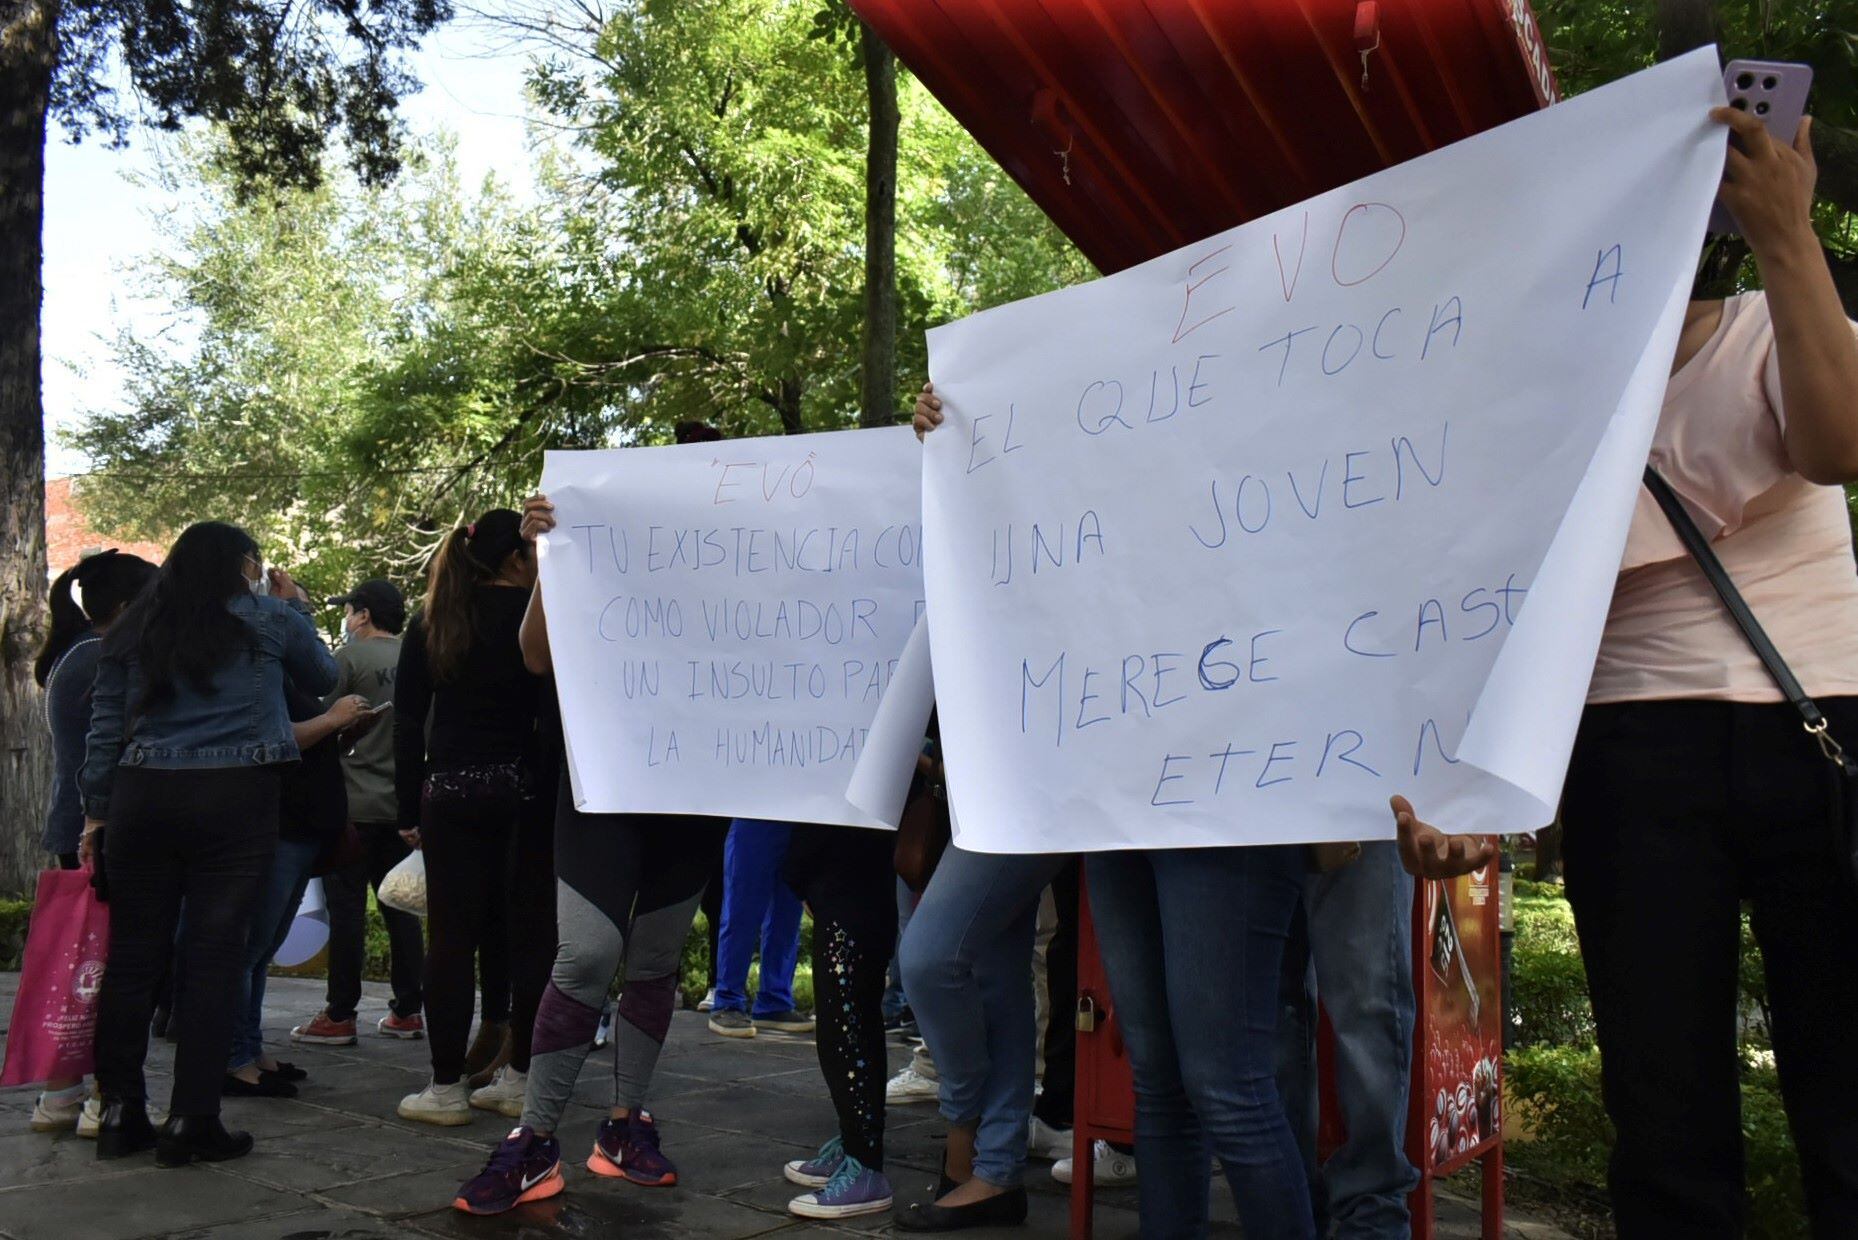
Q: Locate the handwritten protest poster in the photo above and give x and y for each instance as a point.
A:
(724, 618)
(1233, 545)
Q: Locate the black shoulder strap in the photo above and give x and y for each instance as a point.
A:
(1718, 577)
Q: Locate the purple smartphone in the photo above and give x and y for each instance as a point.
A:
(1776, 92)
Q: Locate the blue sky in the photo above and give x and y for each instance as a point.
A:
(97, 222)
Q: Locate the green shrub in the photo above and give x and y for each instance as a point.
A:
(695, 975)
(1561, 1135)
(1776, 1209)
(1553, 1096)
(1548, 998)
(14, 918)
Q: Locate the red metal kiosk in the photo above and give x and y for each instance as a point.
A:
(1141, 126)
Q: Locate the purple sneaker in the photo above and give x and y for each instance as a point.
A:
(817, 1171)
(524, 1167)
(627, 1149)
(853, 1190)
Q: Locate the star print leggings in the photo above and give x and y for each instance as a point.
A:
(847, 877)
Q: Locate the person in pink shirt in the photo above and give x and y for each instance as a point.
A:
(1693, 787)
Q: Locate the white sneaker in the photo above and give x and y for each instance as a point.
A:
(91, 1119)
(1109, 1167)
(1047, 1142)
(604, 1033)
(55, 1113)
(448, 1106)
(504, 1094)
(709, 1001)
(910, 1086)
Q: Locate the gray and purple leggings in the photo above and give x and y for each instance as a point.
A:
(627, 888)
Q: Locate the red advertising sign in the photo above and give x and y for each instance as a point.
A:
(1457, 1096)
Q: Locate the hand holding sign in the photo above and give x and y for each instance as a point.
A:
(1428, 852)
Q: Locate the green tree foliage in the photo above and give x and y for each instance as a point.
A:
(356, 368)
(336, 373)
(729, 181)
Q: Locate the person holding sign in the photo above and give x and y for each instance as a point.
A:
(464, 722)
(1692, 786)
(627, 889)
(1690, 766)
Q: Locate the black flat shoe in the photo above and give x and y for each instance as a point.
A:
(285, 1072)
(1006, 1209)
(202, 1138)
(125, 1130)
(266, 1086)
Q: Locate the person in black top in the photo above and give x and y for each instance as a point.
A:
(464, 724)
(312, 808)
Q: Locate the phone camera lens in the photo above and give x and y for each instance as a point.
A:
(1769, 82)
(1739, 104)
(1761, 109)
(1744, 80)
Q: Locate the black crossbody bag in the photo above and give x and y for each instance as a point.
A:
(1841, 770)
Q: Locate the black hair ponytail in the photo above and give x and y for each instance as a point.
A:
(109, 582)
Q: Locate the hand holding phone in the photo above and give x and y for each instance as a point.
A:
(382, 709)
(1774, 93)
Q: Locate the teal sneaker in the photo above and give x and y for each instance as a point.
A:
(817, 1171)
(853, 1190)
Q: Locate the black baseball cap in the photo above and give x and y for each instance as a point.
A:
(381, 599)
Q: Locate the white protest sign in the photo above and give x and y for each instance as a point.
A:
(880, 783)
(1233, 545)
(724, 618)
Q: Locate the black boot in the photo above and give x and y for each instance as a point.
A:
(185, 1138)
(125, 1129)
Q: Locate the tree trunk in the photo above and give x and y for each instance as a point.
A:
(787, 394)
(877, 406)
(1685, 25)
(28, 51)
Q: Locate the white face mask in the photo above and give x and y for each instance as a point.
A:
(260, 586)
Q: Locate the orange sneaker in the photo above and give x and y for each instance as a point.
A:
(319, 1030)
(392, 1026)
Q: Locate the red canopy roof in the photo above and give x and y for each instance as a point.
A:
(1140, 126)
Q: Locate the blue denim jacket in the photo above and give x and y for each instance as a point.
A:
(240, 721)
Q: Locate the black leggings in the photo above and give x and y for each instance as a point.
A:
(487, 856)
(1676, 812)
(206, 837)
(847, 878)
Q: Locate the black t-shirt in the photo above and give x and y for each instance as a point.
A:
(314, 795)
(484, 715)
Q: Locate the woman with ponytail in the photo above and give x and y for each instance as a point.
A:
(464, 729)
(66, 669)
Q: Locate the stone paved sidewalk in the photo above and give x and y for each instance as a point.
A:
(337, 1164)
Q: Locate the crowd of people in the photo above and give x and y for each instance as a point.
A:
(212, 754)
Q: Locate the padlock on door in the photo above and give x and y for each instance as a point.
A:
(1086, 1014)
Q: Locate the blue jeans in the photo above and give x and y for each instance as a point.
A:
(276, 909)
(967, 967)
(757, 907)
(1352, 946)
(1193, 942)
